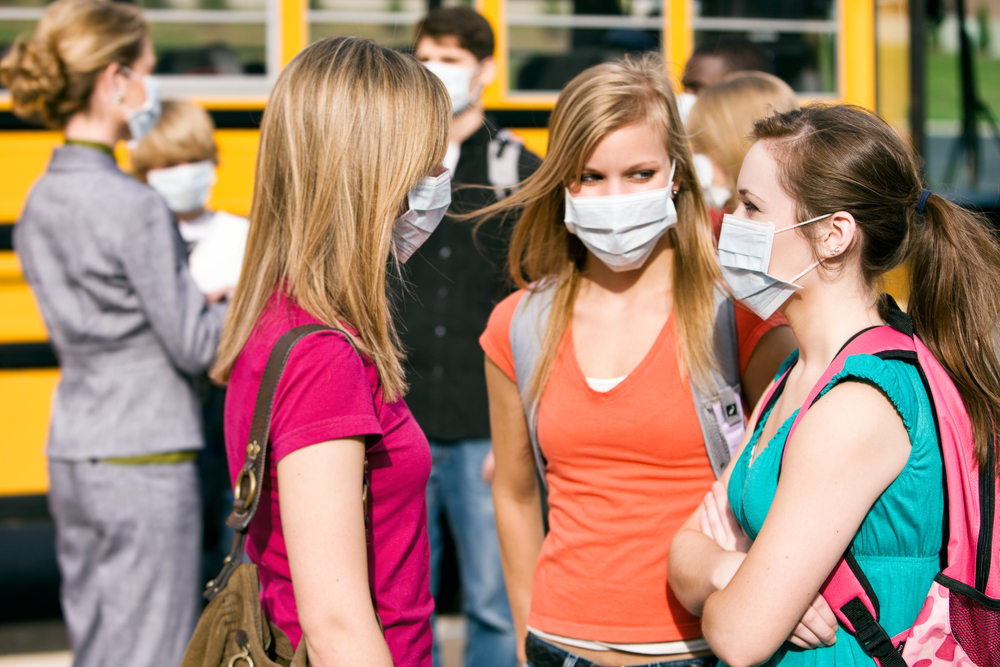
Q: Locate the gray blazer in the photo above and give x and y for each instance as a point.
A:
(107, 266)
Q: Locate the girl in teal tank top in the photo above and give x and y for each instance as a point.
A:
(898, 544)
(830, 201)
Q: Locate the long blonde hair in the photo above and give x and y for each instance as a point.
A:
(597, 102)
(348, 131)
(722, 119)
(51, 74)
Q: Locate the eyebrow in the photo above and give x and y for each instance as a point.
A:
(746, 193)
(648, 164)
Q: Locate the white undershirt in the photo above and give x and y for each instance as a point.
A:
(451, 157)
(604, 385)
(652, 648)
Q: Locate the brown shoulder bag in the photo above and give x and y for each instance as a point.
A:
(232, 630)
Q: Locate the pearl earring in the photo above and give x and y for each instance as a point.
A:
(836, 250)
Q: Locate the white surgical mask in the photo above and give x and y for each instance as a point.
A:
(684, 103)
(428, 202)
(141, 120)
(457, 80)
(716, 196)
(622, 230)
(185, 187)
(745, 255)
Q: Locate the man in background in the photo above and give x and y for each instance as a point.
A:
(712, 61)
(455, 279)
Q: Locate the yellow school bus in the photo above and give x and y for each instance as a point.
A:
(226, 54)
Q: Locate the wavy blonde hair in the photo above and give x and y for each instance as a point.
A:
(349, 129)
(597, 102)
(722, 119)
(51, 74)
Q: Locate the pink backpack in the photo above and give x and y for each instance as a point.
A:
(959, 623)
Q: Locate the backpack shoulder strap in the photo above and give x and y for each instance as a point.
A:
(847, 589)
(502, 156)
(527, 331)
(719, 407)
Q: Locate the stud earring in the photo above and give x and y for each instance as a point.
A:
(674, 193)
(118, 97)
(835, 250)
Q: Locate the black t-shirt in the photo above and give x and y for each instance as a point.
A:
(453, 283)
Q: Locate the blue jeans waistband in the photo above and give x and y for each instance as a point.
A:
(543, 654)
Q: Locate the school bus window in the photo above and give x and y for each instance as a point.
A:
(551, 41)
(799, 38)
(388, 22)
(193, 38)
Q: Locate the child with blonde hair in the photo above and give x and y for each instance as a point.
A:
(178, 159)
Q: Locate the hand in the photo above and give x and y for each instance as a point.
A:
(219, 295)
(817, 627)
(489, 467)
(718, 522)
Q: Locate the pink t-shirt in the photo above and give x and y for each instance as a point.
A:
(328, 392)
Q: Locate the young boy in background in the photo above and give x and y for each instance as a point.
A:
(178, 159)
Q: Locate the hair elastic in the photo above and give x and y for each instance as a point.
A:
(924, 194)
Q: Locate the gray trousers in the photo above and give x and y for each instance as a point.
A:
(128, 542)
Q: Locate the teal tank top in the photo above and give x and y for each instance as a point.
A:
(899, 542)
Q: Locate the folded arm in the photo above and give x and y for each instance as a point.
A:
(846, 451)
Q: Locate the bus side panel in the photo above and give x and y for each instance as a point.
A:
(25, 400)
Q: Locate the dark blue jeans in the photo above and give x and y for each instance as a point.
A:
(456, 490)
(543, 654)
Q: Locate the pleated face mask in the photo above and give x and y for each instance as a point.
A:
(428, 202)
(622, 230)
(745, 255)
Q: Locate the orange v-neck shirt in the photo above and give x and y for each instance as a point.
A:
(625, 469)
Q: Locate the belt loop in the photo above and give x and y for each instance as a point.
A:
(570, 660)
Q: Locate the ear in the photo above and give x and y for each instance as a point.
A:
(839, 232)
(487, 71)
(106, 87)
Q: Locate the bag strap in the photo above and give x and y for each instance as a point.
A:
(250, 480)
(720, 409)
(502, 157)
(527, 330)
(847, 589)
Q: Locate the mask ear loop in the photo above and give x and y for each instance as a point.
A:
(820, 217)
(818, 262)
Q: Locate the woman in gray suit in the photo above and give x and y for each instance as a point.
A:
(107, 267)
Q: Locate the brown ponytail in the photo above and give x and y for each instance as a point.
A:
(844, 158)
(52, 73)
(955, 301)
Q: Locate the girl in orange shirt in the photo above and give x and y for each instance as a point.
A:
(614, 227)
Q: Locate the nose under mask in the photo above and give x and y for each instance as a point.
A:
(622, 230)
(428, 202)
